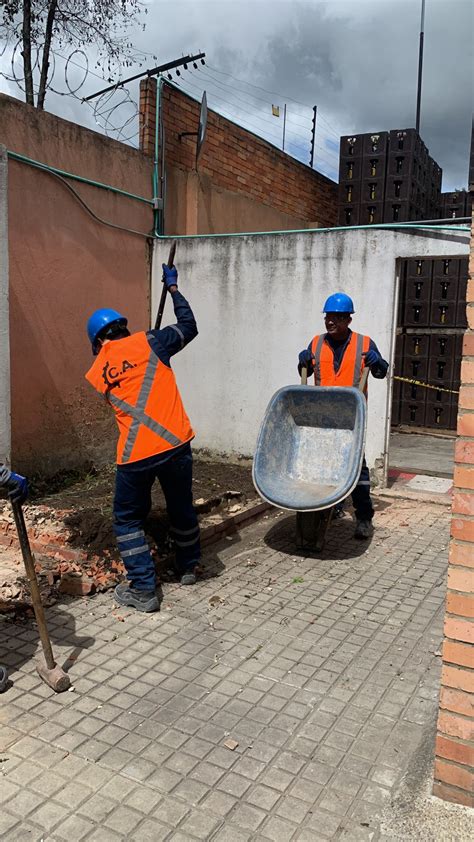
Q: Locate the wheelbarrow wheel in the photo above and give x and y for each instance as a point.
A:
(312, 527)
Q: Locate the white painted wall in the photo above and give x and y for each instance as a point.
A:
(5, 424)
(258, 301)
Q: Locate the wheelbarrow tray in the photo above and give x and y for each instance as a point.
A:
(310, 447)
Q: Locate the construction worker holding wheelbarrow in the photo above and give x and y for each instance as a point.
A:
(133, 373)
(338, 358)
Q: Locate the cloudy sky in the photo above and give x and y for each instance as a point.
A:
(355, 59)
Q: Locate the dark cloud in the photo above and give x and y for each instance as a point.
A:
(359, 61)
(356, 59)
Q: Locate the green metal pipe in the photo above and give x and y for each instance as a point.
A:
(337, 228)
(25, 160)
(16, 156)
(156, 173)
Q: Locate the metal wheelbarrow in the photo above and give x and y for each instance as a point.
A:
(309, 453)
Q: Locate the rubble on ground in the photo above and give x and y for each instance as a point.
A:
(71, 532)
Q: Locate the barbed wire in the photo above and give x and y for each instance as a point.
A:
(76, 88)
(116, 112)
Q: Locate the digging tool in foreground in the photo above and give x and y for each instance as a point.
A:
(48, 670)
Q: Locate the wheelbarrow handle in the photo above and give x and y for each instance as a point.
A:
(304, 376)
(364, 378)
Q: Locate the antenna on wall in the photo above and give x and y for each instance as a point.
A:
(201, 132)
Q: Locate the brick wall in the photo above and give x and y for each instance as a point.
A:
(454, 762)
(236, 160)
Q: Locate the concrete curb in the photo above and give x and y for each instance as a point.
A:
(389, 494)
(211, 534)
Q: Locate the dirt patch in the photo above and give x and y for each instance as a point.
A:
(71, 528)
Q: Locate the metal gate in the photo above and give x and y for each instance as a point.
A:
(431, 324)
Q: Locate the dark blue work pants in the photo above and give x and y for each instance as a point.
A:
(361, 495)
(132, 505)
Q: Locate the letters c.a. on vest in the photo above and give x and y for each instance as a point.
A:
(143, 392)
(352, 363)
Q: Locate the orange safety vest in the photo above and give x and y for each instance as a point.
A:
(143, 392)
(352, 363)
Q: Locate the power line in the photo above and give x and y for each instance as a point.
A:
(296, 139)
(233, 89)
(272, 93)
(235, 117)
(240, 99)
(257, 116)
(290, 117)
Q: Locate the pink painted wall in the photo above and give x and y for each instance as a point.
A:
(63, 265)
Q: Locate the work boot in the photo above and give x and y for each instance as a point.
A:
(363, 529)
(141, 600)
(187, 576)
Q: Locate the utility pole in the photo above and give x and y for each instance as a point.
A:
(284, 126)
(313, 135)
(420, 66)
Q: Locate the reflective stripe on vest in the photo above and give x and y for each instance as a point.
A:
(138, 414)
(142, 391)
(351, 366)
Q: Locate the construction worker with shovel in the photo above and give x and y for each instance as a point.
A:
(337, 358)
(133, 373)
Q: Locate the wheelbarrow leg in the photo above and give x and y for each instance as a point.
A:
(299, 530)
(322, 527)
(311, 528)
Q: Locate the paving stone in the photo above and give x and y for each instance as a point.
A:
(74, 828)
(324, 823)
(96, 808)
(263, 797)
(7, 822)
(150, 831)
(200, 824)
(191, 791)
(23, 832)
(292, 808)
(219, 802)
(307, 680)
(171, 811)
(279, 829)
(234, 784)
(49, 815)
(8, 790)
(231, 834)
(73, 794)
(207, 773)
(139, 769)
(123, 820)
(104, 834)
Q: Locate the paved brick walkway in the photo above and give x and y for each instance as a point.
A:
(324, 670)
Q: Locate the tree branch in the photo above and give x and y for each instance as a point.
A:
(46, 51)
(26, 52)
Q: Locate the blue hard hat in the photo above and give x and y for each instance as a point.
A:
(339, 302)
(100, 319)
